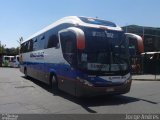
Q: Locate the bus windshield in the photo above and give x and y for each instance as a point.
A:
(106, 51)
(97, 21)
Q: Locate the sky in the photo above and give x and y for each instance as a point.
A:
(22, 18)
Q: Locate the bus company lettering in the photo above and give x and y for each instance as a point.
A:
(109, 35)
(98, 34)
(103, 34)
(96, 66)
(37, 55)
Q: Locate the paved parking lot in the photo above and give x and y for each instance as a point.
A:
(20, 95)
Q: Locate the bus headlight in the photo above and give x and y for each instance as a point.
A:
(85, 82)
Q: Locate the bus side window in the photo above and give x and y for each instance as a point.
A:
(22, 48)
(25, 47)
(40, 43)
(35, 44)
(31, 45)
(53, 41)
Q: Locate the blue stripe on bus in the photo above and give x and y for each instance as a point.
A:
(61, 70)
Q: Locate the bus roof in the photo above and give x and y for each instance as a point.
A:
(77, 21)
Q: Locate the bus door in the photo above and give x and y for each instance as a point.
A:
(69, 51)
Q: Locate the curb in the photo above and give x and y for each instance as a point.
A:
(146, 79)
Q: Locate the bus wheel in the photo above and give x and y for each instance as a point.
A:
(54, 83)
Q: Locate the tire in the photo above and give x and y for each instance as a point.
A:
(54, 83)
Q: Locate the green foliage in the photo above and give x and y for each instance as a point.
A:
(12, 51)
(2, 50)
(9, 51)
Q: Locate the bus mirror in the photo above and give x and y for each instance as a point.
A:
(81, 44)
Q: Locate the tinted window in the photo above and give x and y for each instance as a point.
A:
(6, 58)
(68, 43)
(38, 43)
(24, 47)
(18, 59)
(30, 45)
(35, 44)
(97, 21)
(53, 41)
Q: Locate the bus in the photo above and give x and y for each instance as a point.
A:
(7, 61)
(79, 55)
(15, 62)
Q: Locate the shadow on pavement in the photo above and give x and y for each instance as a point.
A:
(86, 103)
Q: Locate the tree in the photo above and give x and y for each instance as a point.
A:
(2, 49)
(12, 51)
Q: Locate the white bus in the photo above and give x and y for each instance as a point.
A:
(15, 62)
(7, 61)
(79, 55)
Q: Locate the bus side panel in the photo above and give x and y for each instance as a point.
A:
(52, 61)
(67, 79)
(55, 63)
(33, 65)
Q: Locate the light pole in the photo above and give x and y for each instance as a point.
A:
(20, 42)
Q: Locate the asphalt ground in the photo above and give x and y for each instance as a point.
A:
(19, 95)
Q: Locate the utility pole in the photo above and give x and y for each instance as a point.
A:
(20, 42)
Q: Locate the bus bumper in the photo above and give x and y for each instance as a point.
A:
(89, 91)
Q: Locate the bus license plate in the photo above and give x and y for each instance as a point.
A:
(110, 90)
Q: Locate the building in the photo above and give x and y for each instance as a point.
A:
(150, 35)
